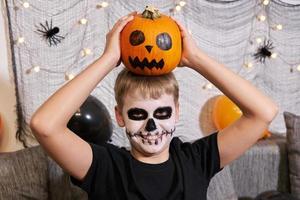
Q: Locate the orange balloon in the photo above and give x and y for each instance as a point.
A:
(225, 112)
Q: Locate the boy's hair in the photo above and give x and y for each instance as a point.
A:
(147, 86)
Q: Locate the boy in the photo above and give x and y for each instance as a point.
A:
(158, 165)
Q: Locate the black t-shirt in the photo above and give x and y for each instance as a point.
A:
(115, 174)
(155, 180)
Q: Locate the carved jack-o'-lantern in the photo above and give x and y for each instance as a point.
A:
(151, 43)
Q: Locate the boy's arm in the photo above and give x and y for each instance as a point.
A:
(258, 109)
(49, 122)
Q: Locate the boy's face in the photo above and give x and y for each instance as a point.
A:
(149, 123)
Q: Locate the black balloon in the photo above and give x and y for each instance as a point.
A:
(92, 122)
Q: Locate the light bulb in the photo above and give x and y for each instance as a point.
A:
(298, 68)
(178, 7)
(83, 21)
(21, 40)
(69, 77)
(207, 86)
(266, 2)
(104, 4)
(86, 51)
(258, 40)
(248, 65)
(182, 3)
(279, 27)
(274, 55)
(261, 18)
(26, 4)
(36, 69)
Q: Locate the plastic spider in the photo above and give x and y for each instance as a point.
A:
(264, 51)
(50, 33)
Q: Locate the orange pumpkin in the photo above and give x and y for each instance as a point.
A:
(225, 112)
(151, 43)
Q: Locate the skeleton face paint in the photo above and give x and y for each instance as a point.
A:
(150, 123)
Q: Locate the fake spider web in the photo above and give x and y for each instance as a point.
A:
(224, 29)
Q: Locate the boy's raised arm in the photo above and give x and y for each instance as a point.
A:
(258, 109)
(49, 122)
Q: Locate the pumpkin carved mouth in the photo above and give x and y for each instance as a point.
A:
(136, 63)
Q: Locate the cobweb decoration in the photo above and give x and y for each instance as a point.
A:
(225, 29)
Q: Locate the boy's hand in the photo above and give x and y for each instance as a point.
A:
(112, 47)
(189, 47)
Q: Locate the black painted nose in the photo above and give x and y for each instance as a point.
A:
(150, 126)
(148, 47)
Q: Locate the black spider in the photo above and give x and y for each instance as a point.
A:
(264, 51)
(50, 33)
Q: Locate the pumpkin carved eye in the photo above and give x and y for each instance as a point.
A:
(164, 41)
(136, 37)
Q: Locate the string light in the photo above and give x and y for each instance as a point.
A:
(248, 65)
(266, 2)
(83, 21)
(36, 68)
(33, 69)
(86, 52)
(20, 40)
(26, 4)
(182, 3)
(278, 27)
(104, 4)
(178, 8)
(258, 40)
(207, 86)
(69, 77)
(274, 55)
(261, 18)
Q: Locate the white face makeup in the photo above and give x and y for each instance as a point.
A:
(150, 123)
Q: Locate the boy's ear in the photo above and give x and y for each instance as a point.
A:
(119, 117)
(177, 112)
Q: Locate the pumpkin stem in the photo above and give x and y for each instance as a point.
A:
(151, 12)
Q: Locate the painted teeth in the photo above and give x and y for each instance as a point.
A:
(150, 137)
(150, 141)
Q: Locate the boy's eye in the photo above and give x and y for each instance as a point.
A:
(163, 113)
(137, 114)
